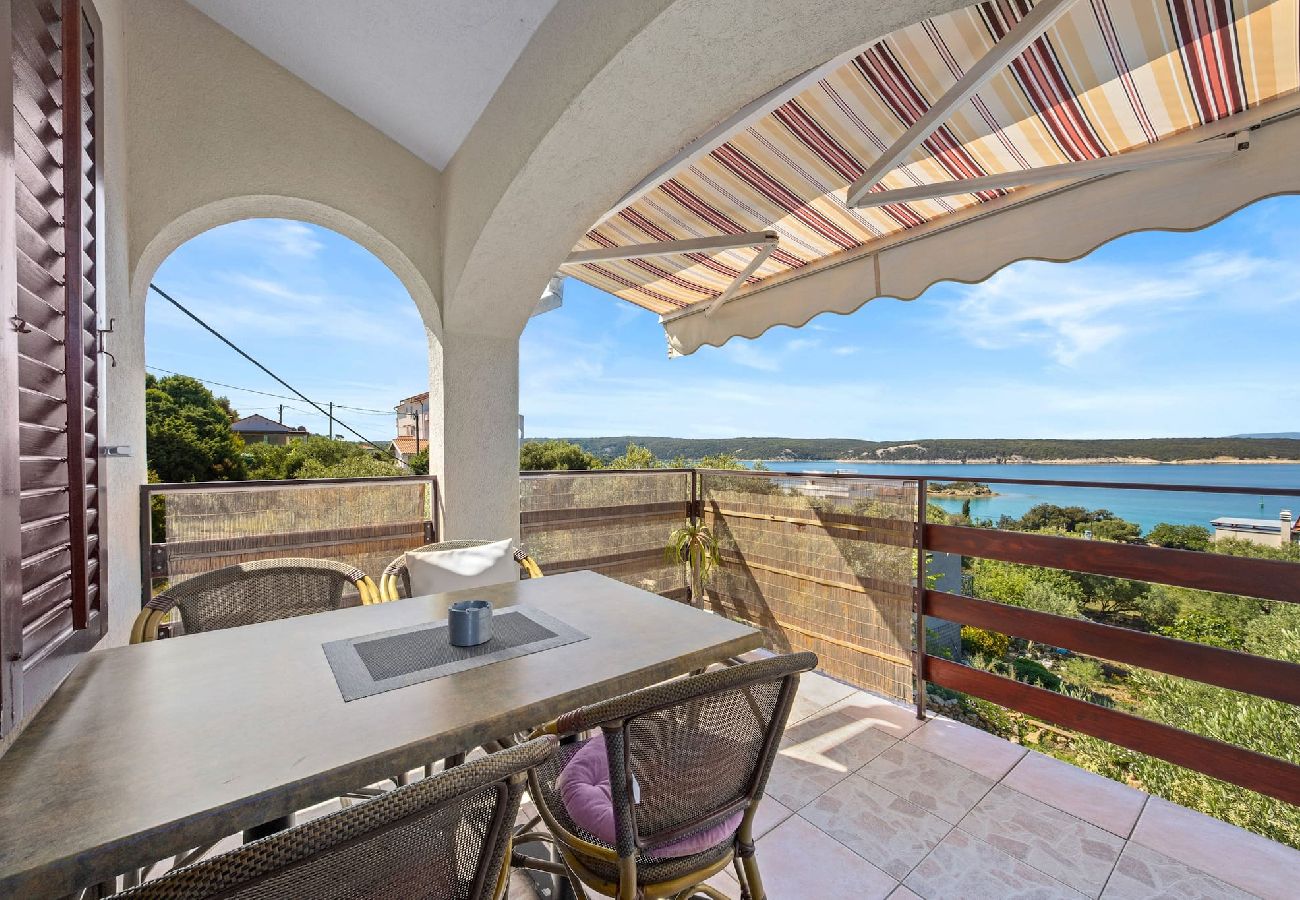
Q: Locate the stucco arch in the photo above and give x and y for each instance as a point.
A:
(642, 78)
(223, 212)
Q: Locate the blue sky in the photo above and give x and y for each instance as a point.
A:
(1152, 335)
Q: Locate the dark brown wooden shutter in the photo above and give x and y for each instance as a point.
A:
(51, 553)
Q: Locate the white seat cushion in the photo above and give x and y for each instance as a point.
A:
(438, 571)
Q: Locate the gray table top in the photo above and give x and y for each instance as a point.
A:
(149, 750)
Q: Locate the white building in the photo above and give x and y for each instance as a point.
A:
(1269, 532)
(412, 426)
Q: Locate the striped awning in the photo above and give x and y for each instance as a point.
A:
(1108, 77)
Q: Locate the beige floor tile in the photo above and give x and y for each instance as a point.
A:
(796, 781)
(771, 813)
(843, 736)
(977, 750)
(885, 715)
(1087, 795)
(798, 862)
(724, 881)
(931, 782)
(966, 868)
(1144, 874)
(881, 827)
(816, 692)
(1068, 849)
(1239, 857)
(903, 893)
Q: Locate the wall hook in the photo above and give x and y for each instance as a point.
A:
(20, 325)
(100, 342)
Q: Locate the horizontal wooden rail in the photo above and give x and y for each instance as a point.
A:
(1245, 672)
(604, 561)
(581, 514)
(1268, 579)
(1256, 771)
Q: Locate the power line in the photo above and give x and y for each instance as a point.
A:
(247, 390)
(301, 396)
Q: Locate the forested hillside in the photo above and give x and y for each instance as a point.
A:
(951, 449)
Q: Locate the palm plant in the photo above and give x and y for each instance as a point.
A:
(694, 546)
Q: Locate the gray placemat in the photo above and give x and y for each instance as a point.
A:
(374, 663)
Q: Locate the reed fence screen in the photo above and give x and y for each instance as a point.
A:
(614, 523)
(364, 522)
(820, 563)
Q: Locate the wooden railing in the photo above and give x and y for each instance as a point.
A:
(190, 528)
(1243, 672)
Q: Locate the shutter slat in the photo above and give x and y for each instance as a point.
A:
(47, 504)
(37, 376)
(43, 568)
(36, 440)
(44, 534)
(40, 146)
(40, 282)
(36, 311)
(39, 344)
(47, 632)
(41, 408)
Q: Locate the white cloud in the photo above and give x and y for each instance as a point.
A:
(1078, 311)
(845, 350)
(750, 355)
(800, 344)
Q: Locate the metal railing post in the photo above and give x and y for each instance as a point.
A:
(918, 601)
(146, 545)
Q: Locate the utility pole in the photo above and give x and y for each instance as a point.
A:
(331, 420)
(417, 431)
(281, 418)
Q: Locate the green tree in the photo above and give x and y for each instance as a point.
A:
(1207, 628)
(635, 457)
(1046, 590)
(188, 436)
(1117, 530)
(419, 462)
(1180, 537)
(543, 456)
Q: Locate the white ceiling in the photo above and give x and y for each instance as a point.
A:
(421, 71)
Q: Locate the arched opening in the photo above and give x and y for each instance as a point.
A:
(286, 405)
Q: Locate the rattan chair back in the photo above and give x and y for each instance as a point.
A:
(395, 582)
(683, 756)
(444, 838)
(253, 592)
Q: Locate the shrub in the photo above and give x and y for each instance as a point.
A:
(1031, 671)
(980, 642)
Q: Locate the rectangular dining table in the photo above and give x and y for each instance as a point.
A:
(150, 750)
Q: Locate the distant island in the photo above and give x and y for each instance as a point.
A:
(1136, 451)
(959, 489)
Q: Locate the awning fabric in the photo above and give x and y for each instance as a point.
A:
(1110, 77)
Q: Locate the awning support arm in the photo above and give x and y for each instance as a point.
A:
(1044, 14)
(758, 260)
(673, 248)
(1073, 171)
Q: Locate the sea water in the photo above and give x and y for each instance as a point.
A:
(1145, 507)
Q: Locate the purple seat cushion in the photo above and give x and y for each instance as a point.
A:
(584, 790)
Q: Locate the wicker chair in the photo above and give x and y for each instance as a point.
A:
(254, 592)
(395, 582)
(700, 749)
(444, 838)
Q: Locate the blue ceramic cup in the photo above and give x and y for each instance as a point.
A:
(469, 623)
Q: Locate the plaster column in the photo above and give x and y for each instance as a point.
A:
(474, 433)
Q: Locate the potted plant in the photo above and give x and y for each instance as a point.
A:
(694, 546)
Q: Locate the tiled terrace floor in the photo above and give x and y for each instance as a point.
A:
(867, 802)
